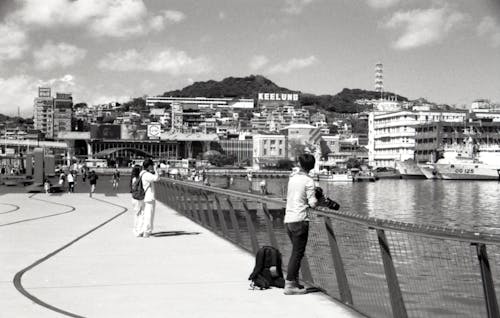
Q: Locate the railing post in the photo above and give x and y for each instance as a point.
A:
(343, 284)
(269, 226)
(180, 200)
(222, 220)
(201, 211)
(251, 228)
(397, 302)
(234, 221)
(488, 286)
(188, 203)
(210, 212)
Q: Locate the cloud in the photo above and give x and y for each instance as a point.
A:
(168, 61)
(423, 27)
(293, 64)
(105, 99)
(113, 18)
(489, 27)
(296, 6)
(379, 4)
(17, 91)
(257, 62)
(13, 42)
(57, 55)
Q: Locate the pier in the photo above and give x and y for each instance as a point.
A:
(72, 255)
(75, 255)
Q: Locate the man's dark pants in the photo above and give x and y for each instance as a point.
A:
(298, 232)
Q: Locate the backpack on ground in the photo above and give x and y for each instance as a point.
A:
(267, 271)
(137, 189)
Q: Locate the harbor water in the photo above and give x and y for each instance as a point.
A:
(469, 205)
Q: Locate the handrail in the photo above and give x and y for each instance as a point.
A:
(413, 254)
(427, 230)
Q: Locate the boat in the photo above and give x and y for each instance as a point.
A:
(363, 175)
(386, 173)
(409, 169)
(336, 177)
(429, 170)
(469, 162)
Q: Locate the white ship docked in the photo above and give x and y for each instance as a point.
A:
(409, 169)
(429, 170)
(469, 162)
(338, 177)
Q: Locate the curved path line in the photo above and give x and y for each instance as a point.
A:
(72, 208)
(16, 207)
(17, 278)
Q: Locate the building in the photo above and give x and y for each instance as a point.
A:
(201, 102)
(391, 135)
(432, 138)
(43, 112)
(242, 150)
(63, 112)
(268, 150)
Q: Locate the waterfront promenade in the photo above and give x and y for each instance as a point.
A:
(69, 254)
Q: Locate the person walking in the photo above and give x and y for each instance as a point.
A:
(149, 176)
(116, 179)
(137, 205)
(93, 180)
(71, 182)
(300, 197)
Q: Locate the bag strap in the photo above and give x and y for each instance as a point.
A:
(140, 177)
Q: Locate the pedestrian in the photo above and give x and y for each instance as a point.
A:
(149, 176)
(116, 179)
(46, 185)
(71, 182)
(93, 180)
(62, 179)
(263, 187)
(300, 198)
(138, 205)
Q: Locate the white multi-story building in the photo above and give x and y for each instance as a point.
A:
(268, 149)
(391, 135)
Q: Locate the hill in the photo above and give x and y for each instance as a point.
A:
(240, 87)
(250, 86)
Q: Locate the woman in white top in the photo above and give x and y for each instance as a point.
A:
(149, 177)
(138, 205)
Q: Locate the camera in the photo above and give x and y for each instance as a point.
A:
(325, 201)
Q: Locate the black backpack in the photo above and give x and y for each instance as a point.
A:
(263, 276)
(137, 189)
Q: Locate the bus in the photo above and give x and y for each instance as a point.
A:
(96, 163)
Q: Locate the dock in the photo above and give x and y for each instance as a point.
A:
(75, 255)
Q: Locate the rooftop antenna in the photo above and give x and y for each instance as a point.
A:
(379, 79)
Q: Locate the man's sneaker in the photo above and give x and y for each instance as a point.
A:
(291, 288)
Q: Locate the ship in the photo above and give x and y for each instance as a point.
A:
(469, 162)
(337, 177)
(386, 173)
(409, 169)
(429, 170)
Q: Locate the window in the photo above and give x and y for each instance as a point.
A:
(265, 152)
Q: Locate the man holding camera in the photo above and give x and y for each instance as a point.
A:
(302, 195)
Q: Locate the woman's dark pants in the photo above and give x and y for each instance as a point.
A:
(298, 233)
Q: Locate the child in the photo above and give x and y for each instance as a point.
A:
(46, 185)
(300, 197)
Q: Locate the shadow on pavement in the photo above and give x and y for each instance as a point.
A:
(173, 233)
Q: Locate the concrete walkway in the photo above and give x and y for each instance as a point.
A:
(184, 271)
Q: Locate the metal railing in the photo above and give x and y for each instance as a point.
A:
(379, 267)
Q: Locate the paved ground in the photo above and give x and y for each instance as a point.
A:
(64, 258)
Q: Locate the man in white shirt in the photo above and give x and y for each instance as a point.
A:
(300, 197)
(149, 177)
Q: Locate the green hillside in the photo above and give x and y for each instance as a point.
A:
(248, 87)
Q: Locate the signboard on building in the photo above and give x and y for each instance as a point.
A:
(154, 131)
(291, 97)
(44, 92)
(105, 131)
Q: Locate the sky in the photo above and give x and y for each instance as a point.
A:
(447, 51)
